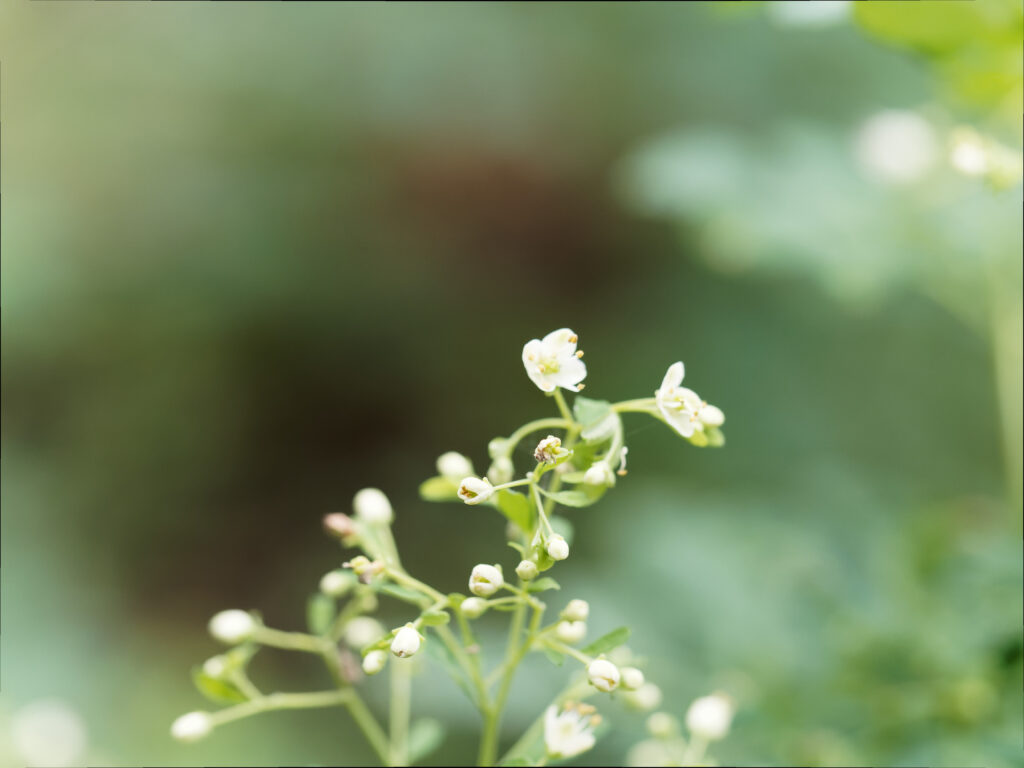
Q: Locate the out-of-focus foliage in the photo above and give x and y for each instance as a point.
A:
(256, 258)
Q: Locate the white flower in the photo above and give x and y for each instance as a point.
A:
(599, 473)
(473, 607)
(571, 632)
(215, 667)
(232, 627)
(406, 642)
(527, 570)
(896, 145)
(485, 580)
(603, 675)
(645, 698)
(709, 717)
(502, 470)
(454, 466)
(336, 583)
(662, 725)
(577, 610)
(558, 547)
(474, 490)
(567, 733)
(548, 450)
(682, 408)
(554, 362)
(632, 678)
(362, 631)
(191, 727)
(372, 506)
(374, 662)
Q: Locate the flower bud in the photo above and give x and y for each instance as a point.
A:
(406, 642)
(485, 580)
(709, 717)
(599, 473)
(374, 662)
(373, 507)
(339, 524)
(501, 470)
(498, 447)
(232, 627)
(192, 727)
(474, 490)
(632, 678)
(527, 570)
(577, 610)
(558, 547)
(473, 607)
(215, 667)
(362, 631)
(662, 725)
(603, 675)
(336, 583)
(645, 698)
(549, 450)
(571, 632)
(363, 566)
(454, 466)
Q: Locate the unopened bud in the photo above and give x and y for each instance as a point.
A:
(232, 627)
(577, 610)
(474, 490)
(362, 631)
(571, 632)
(485, 580)
(549, 450)
(373, 507)
(709, 717)
(603, 675)
(501, 470)
(632, 678)
(407, 642)
(374, 662)
(599, 473)
(558, 547)
(454, 466)
(336, 583)
(662, 725)
(473, 607)
(527, 570)
(215, 667)
(339, 524)
(192, 727)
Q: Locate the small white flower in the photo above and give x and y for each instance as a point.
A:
(548, 450)
(362, 631)
(577, 610)
(599, 473)
(567, 733)
(632, 678)
(603, 675)
(232, 627)
(662, 725)
(406, 642)
(554, 362)
(682, 408)
(527, 570)
(215, 667)
(373, 507)
(473, 607)
(336, 583)
(709, 717)
(558, 547)
(374, 662)
(454, 466)
(485, 580)
(571, 632)
(645, 698)
(502, 470)
(191, 727)
(474, 490)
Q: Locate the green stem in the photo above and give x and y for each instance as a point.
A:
(290, 641)
(401, 703)
(642, 405)
(561, 647)
(401, 577)
(562, 407)
(535, 426)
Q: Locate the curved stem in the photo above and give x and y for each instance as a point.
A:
(642, 405)
(535, 426)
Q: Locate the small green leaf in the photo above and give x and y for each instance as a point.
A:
(516, 508)
(441, 653)
(439, 489)
(699, 439)
(435, 618)
(608, 642)
(216, 690)
(425, 736)
(554, 656)
(320, 613)
(503, 607)
(455, 599)
(581, 496)
(542, 585)
(517, 547)
(402, 593)
(590, 412)
(715, 437)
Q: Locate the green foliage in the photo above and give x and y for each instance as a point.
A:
(608, 642)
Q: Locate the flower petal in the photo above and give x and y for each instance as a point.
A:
(712, 416)
(673, 376)
(570, 373)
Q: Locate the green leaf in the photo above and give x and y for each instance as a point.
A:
(516, 507)
(503, 607)
(425, 736)
(402, 593)
(455, 599)
(554, 656)
(699, 439)
(590, 412)
(542, 585)
(439, 489)
(715, 437)
(563, 527)
(581, 496)
(517, 547)
(608, 642)
(435, 618)
(216, 690)
(320, 613)
(440, 652)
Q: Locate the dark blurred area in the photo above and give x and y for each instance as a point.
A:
(257, 258)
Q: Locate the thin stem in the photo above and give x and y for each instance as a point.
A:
(405, 579)
(513, 483)
(695, 750)
(535, 426)
(540, 509)
(562, 407)
(401, 703)
(274, 701)
(289, 641)
(245, 685)
(561, 647)
(642, 405)
(356, 708)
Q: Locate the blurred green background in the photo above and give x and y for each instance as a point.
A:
(256, 257)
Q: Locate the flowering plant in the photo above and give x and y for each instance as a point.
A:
(573, 468)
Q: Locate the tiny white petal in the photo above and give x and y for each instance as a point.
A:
(191, 727)
(577, 610)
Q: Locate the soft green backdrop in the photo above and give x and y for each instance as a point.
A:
(258, 256)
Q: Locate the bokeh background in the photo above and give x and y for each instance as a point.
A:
(256, 257)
